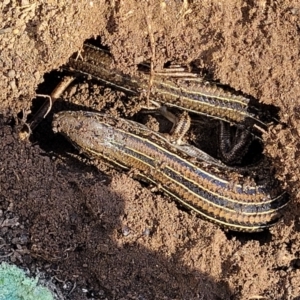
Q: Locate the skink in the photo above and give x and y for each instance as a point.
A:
(238, 199)
(188, 93)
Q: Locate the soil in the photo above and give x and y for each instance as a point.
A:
(97, 233)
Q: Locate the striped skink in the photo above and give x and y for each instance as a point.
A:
(238, 199)
(187, 92)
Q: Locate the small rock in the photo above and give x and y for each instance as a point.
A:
(125, 231)
(11, 74)
(147, 232)
(16, 31)
(24, 3)
(13, 85)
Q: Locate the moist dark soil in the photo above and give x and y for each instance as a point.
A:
(97, 233)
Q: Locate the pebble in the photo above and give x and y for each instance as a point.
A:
(125, 230)
(25, 2)
(11, 74)
(147, 232)
(13, 85)
(16, 31)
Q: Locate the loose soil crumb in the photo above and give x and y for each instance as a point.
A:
(99, 234)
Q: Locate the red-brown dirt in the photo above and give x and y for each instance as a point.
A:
(99, 234)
